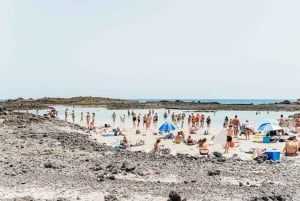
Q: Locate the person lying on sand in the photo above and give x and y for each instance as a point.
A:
(291, 147)
(101, 130)
(138, 142)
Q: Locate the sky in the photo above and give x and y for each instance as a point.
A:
(150, 49)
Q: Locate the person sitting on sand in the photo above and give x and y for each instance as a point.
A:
(193, 129)
(178, 138)
(190, 140)
(291, 147)
(203, 147)
(155, 148)
(125, 142)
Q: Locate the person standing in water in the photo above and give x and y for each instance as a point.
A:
(66, 114)
(88, 118)
(114, 115)
(81, 117)
(73, 117)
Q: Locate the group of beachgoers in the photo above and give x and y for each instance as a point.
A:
(233, 129)
(147, 121)
(195, 122)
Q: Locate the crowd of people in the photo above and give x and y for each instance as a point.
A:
(195, 122)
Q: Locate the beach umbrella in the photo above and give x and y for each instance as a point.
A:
(167, 126)
(268, 127)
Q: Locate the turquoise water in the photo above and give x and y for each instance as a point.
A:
(222, 101)
(104, 115)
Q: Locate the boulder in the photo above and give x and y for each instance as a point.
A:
(128, 166)
(174, 196)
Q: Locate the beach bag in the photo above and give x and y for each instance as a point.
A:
(165, 151)
(217, 154)
(231, 144)
(206, 132)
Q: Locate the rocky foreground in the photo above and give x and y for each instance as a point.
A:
(46, 159)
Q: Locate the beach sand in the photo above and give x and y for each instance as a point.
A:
(241, 144)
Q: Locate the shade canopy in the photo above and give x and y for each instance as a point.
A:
(268, 127)
(167, 126)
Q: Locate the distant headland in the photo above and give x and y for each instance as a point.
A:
(115, 104)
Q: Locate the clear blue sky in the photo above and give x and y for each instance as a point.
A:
(150, 48)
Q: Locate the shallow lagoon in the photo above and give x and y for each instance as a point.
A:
(104, 115)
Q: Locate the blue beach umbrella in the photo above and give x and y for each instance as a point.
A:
(268, 127)
(167, 126)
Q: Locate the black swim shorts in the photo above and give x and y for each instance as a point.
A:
(229, 138)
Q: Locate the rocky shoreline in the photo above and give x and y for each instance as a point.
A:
(112, 104)
(48, 159)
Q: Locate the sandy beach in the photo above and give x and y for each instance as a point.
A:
(241, 144)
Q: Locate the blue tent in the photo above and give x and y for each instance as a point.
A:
(268, 127)
(167, 126)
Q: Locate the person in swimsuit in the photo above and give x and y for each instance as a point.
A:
(73, 117)
(66, 115)
(229, 134)
(88, 118)
(190, 140)
(193, 129)
(155, 148)
(81, 117)
(203, 147)
(291, 147)
(236, 124)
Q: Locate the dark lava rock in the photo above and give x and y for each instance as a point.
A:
(25, 198)
(214, 172)
(174, 196)
(128, 166)
(217, 154)
(112, 177)
(110, 198)
(222, 160)
(114, 171)
(100, 178)
(52, 165)
(61, 199)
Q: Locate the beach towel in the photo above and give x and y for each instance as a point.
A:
(108, 135)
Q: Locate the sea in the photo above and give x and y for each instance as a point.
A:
(221, 101)
(104, 116)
